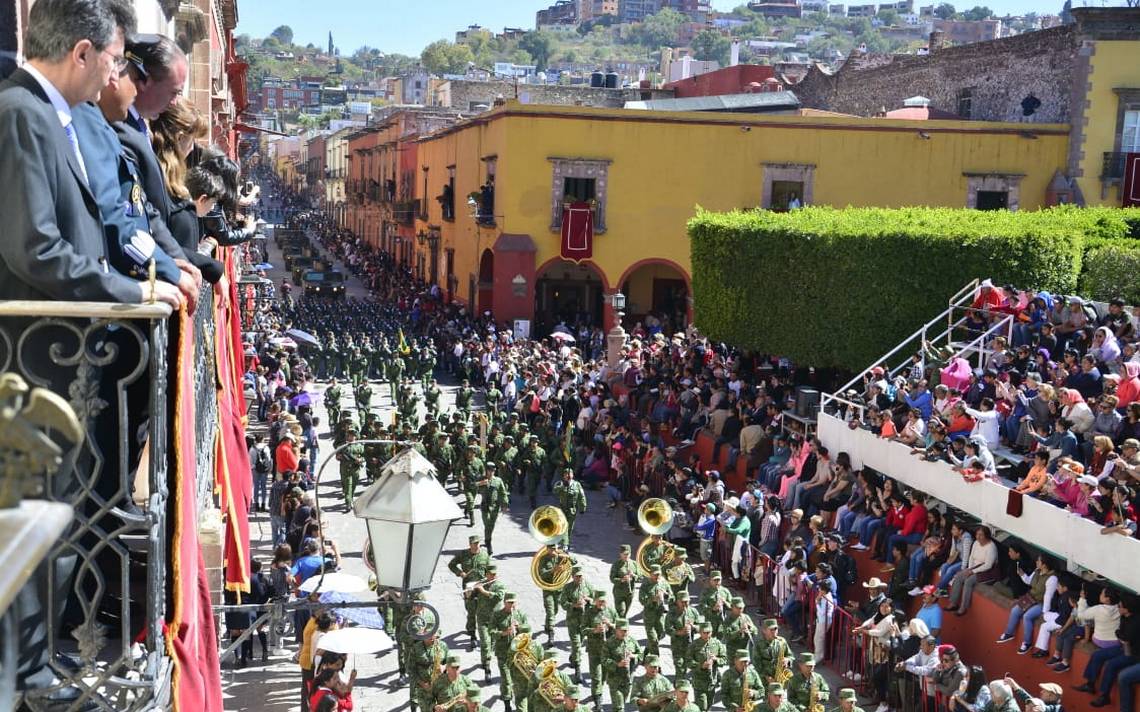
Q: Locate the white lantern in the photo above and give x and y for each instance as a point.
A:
(407, 512)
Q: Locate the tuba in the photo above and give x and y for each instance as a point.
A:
(550, 687)
(522, 657)
(654, 516)
(548, 525)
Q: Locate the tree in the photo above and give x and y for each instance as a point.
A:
(443, 57)
(283, 34)
(712, 45)
(978, 12)
(888, 17)
(660, 29)
(945, 11)
(539, 45)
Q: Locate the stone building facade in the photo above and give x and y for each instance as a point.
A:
(468, 95)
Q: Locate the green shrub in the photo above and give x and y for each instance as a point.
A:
(839, 288)
(1112, 269)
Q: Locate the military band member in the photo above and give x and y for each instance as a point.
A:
(470, 566)
(494, 499)
(489, 593)
(715, 601)
(771, 651)
(739, 682)
(574, 599)
(679, 574)
(551, 598)
(847, 700)
(776, 700)
(472, 703)
(451, 685)
(537, 702)
(655, 597)
(426, 660)
(506, 622)
(571, 500)
(649, 688)
(682, 699)
(738, 630)
(623, 576)
(807, 684)
(622, 656)
(520, 680)
(682, 623)
(598, 624)
(707, 656)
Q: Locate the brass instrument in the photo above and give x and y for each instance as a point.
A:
(469, 589)
(655, 517)
(522, 657)
(435, 661)
(548, 524)
(658, 702)
(814, 705)
(783, 673)
(746, 702)
(457, 700)
(550, 687)
(675, 575)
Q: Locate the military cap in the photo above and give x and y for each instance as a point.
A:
(490, 465)
(716, 575)
(655, 569)
(771, 623)
(492, 567)
(847, 693)
(472, 446)
(599, 595)
(806, 659)
(624, 548)
(652, 660)
(742, 654)
(523, 627)
(622, 623)
(706, 626)
(682, 554)
(452, 660)
(576, 569)
(571, 692)
(474, 539)
(737, 602)
(683, 686)
(511, 596)
(775, 688)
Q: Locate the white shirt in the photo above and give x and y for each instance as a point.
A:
(986, 425)
(62, 108)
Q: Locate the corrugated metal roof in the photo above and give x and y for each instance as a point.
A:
(760, 102)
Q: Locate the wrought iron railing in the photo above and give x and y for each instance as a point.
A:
(103, 586)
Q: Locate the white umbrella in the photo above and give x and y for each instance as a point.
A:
(355, 641)
(562, 336)
(341, 583)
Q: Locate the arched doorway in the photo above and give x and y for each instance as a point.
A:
(658, 295)
(487, 282)
(567, 292)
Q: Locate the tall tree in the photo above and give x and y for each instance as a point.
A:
(539, 45)
(945, 11)
(283, 34)
(978, 12)
(443, 57)
(660, 29)
(712, 45)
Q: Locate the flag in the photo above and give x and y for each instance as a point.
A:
(566, 449)
(403, 345)
(577, 231)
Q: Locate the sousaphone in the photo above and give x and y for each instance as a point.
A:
(548, 524)
(655, 517)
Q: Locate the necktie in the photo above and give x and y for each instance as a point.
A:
(74, 139)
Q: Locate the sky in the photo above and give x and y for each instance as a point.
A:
(406, 26)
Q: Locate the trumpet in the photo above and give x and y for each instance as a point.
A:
(469, 588)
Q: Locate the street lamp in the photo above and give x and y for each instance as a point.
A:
(615, 340)
(407, 512)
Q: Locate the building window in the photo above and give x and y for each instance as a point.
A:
(484, 198)
(993, 191)
(965, 102)
(1130, 132)
(579, 180)
(447, 197)
(787, 185)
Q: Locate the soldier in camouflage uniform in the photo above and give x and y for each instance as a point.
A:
(681, 572)
(655, 597)
(425, 660)
(682, 624)
(505, 625)
(533, 464)
(622, 655)
(363, 394)
(451, 684)
(715, 601)
(432, 397)
(598, 623)
(804, 682)
(650, 685)
(470, 473)
(738, 677)
(536, 702)
(738, 630)
(574, 599)
(776, 700)
(847, 700)
(332, 400)
(682, 702)
(470, 566)
(488, 595)
(508, 464)
(494, 499)
(351, 459)
(572, 501)
(520, 681)
(463, 398)
(550, 599)
(623, 576)
(771, 651)
(492, 396)
(707, 655)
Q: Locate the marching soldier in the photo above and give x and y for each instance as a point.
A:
(520, 680)
(495, 498)
(463, 398)
(847, 699)
(715, 601)
(332, 400)
(622, 656)
(506, 623)
(470, 566)
(682, 623)
(340, 429)
(771, 651)
(470, 472)
(681, 572)
(333, 357)
(623, 576)
(533, 463)
(445, 457)
(491, 397)
(394, 373)
(358, 367)
(739, 682)
(407, 625)
(432, 396)
(681, 701)
(537, 702)
(648, 690)
(571, 499)
(776, 700)
(654, 597)
(598, 623)
(409, 405)
(425, 659)
(351, 459)
(806, 686)
(472, 703)
(363, 394)
(508, 464)
(489, 593)
(451, 686)
(706, 657)
(574, 599)
(551, 599)
(738, 630)
(655, 550)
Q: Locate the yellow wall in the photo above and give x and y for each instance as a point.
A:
(665, 164)
(1114, 64)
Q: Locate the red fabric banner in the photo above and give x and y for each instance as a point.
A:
(577, 231)
(232, 470)
(191, 633)
(1130, 191)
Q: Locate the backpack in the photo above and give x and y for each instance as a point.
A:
(279, 588)
(263, 464)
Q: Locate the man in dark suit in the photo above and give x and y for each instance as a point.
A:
(54, 245)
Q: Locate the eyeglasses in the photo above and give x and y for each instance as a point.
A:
(119, 60)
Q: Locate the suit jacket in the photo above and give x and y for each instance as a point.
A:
(114, 179)
(138, 149)
(53, 245)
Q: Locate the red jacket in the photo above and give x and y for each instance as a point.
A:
(915, 521)
(286, 458)
(896, 517)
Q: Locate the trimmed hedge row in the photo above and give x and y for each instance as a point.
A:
(838, 288)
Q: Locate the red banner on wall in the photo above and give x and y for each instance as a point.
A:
(1130, 191)
(577, 231)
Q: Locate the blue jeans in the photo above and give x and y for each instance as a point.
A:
(1127, 677)
(791, 612)
(917, 559)
(277, 529)
(867, 533)
(946, 573)
(1112, 670)
(260, 497)
(1027, 619)
(1099, 657)
(915, 538)
(614, 493)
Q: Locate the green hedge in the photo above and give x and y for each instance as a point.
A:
(839, 288)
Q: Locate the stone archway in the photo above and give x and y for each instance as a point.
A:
(570, 293)
(658, 292)
(487, 282)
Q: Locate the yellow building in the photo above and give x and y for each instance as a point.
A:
(509, 172)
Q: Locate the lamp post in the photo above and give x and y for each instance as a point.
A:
(615, 340)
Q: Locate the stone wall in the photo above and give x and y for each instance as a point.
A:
(464, 95)
(998, 75)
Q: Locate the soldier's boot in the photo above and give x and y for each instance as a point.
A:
(487, 670)
(507, 705)
(577, 674)
(549, 634)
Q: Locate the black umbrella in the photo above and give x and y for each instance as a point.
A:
(303, 337)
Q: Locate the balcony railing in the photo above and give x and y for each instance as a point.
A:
(109, 565)
(1112, 167)
(405, 211)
